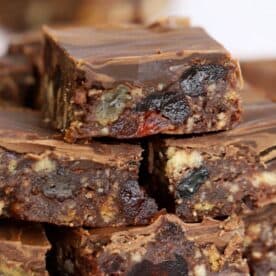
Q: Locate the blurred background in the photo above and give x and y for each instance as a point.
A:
(245, 27)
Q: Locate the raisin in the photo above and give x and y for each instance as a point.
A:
(134, 204)
(171, 105)
(151, 103)
(176, 267)
(195, 80)
(125, 126)
(192, 182)
(175, 108)
(130, 192)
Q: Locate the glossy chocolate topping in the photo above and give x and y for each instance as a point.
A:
(23, 131)
(115, 44)
(135, 54)
(258, 129)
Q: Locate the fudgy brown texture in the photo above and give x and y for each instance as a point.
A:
(166, 247)
(261, 73)
(45, 179)
(17, 82)
(260, 241)
(128, 82)
(219, 174)
(23, 248)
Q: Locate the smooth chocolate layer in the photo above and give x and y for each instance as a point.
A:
(260, 240)
(166, 247)
(219, 174)
(23, 248)
(128, 82)
(17, 81)
(261, 73)
(47, 180)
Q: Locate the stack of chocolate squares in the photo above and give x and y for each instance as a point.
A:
(143, 161)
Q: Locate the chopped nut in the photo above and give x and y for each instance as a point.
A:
(204, 206)
(12, 166)
(221, 120)
(160, 86)
(112, 105)
(44, 165)
(234, 188)
(100, 190)
(197, 254)
(200, 270)
(231, 95)
(94, 92)
(215, 259)
(265, 177)
(254, 230)
(136, 257)
(257, 255)
(230, 198)
(105, 131)
(137, 92)
(108, 210)
(181, 159)
(89, 195)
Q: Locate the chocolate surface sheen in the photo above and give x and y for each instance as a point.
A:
(129, 82)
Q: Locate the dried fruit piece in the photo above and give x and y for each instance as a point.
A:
(158, 88)
(175, 107)
(195, 80)
(192, 182)
(112, 105)
(171, 105)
